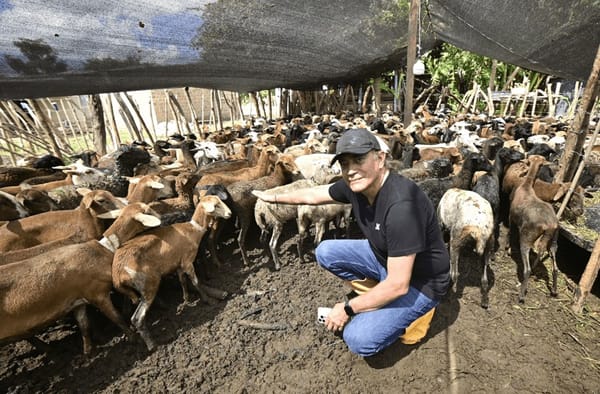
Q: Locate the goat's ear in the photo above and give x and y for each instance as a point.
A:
(208, 206)
(110, 214)
(82, 191)
(133, 180)
(156, 185)
(147, 220)
(222, 195)
(562, 190)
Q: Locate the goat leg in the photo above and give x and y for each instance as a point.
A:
(39, 345)
(302, 225)
(139, 321)
(214, 292)
(184, 287)
(105, 305)
(553, 247)
(213, 237)
(277, 229)
(84, 327)
(526, 271)
(454, 252)
(242, 242)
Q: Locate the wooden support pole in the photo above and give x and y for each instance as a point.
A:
(578, 131)
(229, 106)
(64, 103)
(153, 117)
(60, 130)
(135, 109)
(587, 279)
(5, 137)
(179, 111)
(116, 138)
(98, 125)
(270, 105)
(172, 110)
(192, 111)
(411, 54)
(126, 113)
(582, 164)
(44, 124)
(377, 96)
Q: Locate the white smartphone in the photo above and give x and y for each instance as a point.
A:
(322, 314)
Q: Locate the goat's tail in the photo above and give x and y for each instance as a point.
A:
(473, 234)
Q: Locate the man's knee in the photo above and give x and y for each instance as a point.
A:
(360, 343)
(325, 252)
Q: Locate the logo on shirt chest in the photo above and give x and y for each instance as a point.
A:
(377, 226)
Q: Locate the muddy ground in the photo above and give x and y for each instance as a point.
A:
(536, 347)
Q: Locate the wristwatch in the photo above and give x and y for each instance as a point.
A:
(348, 309)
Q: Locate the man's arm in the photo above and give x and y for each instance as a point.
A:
(312, 196)
(395, 285)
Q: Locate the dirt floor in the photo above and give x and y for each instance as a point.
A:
(536, 347)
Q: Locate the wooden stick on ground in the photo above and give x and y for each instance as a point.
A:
(587, 279)
(263, 326)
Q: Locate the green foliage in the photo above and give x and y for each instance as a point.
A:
(457, 69)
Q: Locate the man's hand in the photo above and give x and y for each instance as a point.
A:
(337, 318)
(262, 195)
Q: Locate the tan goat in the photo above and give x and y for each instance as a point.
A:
(140, 264)
(144, 189)
(268, 157)
(38, 291)
(536, 224)
(80, 224)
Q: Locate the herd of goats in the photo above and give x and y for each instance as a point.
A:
(70, 234)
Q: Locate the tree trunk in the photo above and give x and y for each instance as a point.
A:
(377, 96)
(255, 103)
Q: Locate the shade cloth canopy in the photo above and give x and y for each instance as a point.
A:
(67, 47)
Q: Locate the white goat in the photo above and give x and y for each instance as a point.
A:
(469, 219)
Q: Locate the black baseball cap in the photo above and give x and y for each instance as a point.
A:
(356, 142)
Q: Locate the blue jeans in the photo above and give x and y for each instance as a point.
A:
(370, 332)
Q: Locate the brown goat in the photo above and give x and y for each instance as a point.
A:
(82, 223)
(140, 264)
(268, 157)
(144, 189)
(536, 224)
(244, 201)
(38, 291)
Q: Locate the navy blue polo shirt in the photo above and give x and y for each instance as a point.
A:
(402, 221)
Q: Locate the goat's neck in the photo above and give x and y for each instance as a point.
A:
(498, 167)
(463, 179)
(87, 215)
(534, 168)
(263, 162)
(201, 221)
(110, 242)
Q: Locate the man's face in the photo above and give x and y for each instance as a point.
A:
(361, 171)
